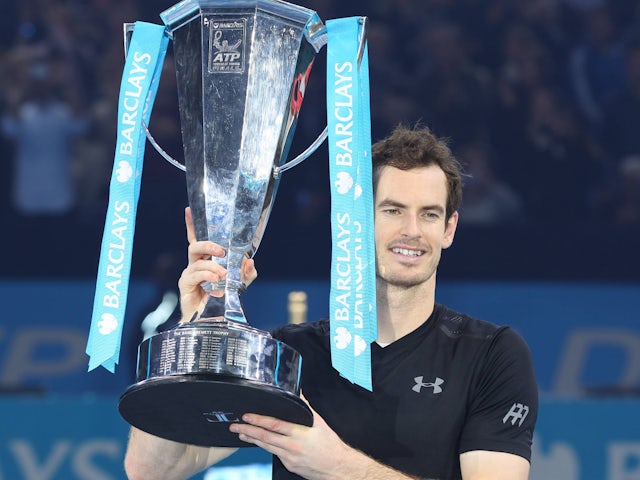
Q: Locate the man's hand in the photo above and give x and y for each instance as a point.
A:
(314, 453)
(202, 268)
(311, 452)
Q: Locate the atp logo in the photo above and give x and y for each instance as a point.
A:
(435, 385)
(227, 41)
(107, 324)
(124, 171)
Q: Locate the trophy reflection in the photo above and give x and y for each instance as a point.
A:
(242, 69)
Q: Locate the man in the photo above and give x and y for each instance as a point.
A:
(453, 397)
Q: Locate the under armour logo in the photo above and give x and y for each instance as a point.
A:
(518, 411)
(435, 385)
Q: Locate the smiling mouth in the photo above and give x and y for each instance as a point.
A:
(407, 252)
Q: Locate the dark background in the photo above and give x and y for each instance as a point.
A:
(540, 100)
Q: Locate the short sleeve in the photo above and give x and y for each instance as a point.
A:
(503, 399)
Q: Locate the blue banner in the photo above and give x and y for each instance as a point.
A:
(352, 303)
(137, 92)
(84, 438)
(595, 346)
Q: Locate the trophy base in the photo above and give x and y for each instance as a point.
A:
(197, 378)
(198, 409)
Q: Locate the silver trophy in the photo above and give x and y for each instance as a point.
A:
(242, 68)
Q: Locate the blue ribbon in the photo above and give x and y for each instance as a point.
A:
(138, 88)
(352, 303)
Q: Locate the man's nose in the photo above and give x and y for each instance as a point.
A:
(411, 225)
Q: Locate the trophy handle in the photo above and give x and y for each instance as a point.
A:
(277, 171)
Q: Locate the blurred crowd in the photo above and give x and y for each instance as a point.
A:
(540, 100)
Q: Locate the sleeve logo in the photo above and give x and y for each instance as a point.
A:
(518, 412)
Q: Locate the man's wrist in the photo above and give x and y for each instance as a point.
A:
(356, 465)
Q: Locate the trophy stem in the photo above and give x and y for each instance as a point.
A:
(233, 307)
(228, 306)
(234, 286)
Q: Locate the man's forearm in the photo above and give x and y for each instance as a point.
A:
(356, 465)
(152, 457)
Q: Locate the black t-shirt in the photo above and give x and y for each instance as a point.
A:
(455, 384)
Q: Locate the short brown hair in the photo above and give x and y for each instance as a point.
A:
(407, 148)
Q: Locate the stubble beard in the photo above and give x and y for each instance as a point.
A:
(407, 280)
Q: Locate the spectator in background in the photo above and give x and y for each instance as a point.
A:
(487, 199)
(620, 138)
(484, 24)
(544, 18)
(596, 65)
(43, 126)
(8, 24)
(392, 76)
(562, 163)
(454, 93)
(629, 12)
(621, 135)
(526, 66)
(626, 207)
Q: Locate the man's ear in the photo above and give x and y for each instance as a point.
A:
(450, 230)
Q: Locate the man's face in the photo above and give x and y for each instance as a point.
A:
(410, 226)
